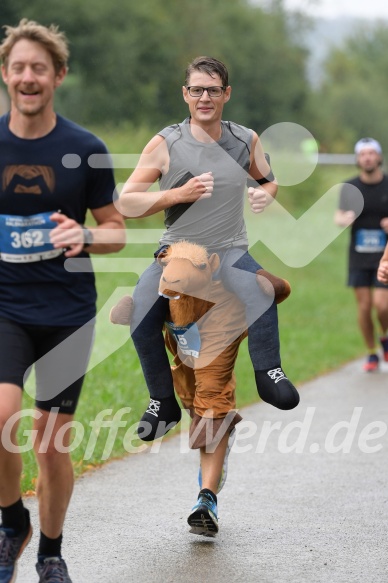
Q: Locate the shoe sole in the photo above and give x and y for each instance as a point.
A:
(202, 524)
(25, 543)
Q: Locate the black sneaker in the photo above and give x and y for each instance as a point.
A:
(159, 418)
(11, 547)
(276, 389)
(53, 570)
(203, 518)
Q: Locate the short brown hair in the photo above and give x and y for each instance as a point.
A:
(210, 66)
(54, 41)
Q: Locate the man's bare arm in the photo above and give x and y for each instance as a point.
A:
(136, 202)
(262, 195)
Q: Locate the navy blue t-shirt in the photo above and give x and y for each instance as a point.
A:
(35, 180)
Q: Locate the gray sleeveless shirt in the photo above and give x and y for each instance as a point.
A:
(216, 222)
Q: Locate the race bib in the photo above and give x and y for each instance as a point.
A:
(187, 337)
(370, 240)
(26, 239)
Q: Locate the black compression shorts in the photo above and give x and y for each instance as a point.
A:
(60, 356)
(364, 278)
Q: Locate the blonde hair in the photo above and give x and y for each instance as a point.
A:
(54, 41)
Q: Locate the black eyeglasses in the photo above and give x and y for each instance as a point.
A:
(211, 91)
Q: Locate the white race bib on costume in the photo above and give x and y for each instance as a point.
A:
(187, 338)
(25, 239)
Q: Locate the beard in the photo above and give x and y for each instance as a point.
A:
(371, 169)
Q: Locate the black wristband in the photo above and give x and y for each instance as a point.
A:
(253, 183)
(269, 178)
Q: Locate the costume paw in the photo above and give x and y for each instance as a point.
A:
(122, 312)
(270, 283)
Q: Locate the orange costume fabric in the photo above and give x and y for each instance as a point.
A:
(206, 385)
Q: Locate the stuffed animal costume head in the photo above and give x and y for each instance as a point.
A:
(187, 277)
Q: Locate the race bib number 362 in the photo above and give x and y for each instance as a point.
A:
(26, 239)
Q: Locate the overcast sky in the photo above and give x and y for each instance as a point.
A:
(333, 8)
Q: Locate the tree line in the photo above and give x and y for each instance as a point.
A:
(128, 59)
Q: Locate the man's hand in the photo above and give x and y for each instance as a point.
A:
(344, 218)
(384, 224)
(196, 188)
(382, 272)
(258, 199)
(68, 234)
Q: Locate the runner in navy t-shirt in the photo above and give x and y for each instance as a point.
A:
(47, 305)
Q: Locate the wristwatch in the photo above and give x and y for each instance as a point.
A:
(88, 236)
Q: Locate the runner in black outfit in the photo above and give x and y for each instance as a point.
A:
(367, 242)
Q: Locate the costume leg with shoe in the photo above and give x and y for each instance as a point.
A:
(273, 386)
(147, 322)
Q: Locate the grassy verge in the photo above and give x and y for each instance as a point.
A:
(317, 324)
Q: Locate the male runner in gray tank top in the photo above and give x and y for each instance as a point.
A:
(203, 166)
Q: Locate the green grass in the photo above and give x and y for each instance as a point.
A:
(317, 326)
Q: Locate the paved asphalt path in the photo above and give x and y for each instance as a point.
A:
(306, 501)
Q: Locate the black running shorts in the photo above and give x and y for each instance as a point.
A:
(60, 356)
(364, 278)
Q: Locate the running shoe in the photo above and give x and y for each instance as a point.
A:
(224, 472)
(203, 517)
(372, 363)
(384, 344)
(53, 570)
(11, 547)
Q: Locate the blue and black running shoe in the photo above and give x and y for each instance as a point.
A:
(203, 517)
